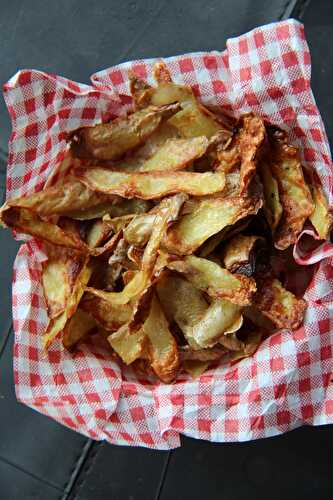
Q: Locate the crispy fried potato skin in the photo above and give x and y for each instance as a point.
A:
(109, 141)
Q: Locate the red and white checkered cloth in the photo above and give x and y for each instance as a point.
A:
(289, 381)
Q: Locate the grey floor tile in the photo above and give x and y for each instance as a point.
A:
(32, 441)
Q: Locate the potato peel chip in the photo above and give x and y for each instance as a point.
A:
(217, 320)
(128, 346)
(77, 328)
(109, 141)
(295, 196)
(57, 324)
(217, 282)
(25, 220)
(162, 347)
(148, 186)
(280, 305)
(209, 216)
(109, 316)
(322, 217)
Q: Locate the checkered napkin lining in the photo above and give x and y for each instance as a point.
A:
(289, 381)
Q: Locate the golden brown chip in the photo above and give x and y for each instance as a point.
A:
(97, 233)
(56, 325)
(176, 154)
(59, 274)
(28, 222)
(220, 318)
(209, 216)
(139, 89)
(109, 316)
(109, 141)
(77, 328)
(241, 153)
(294, 194)
(272, 205)
(217, 282)
(162, 347)
(279, 305)
(321, 218)
(161, 73)
(238, 253)
(251, 137)
(72, 196)
(150, 185)
(128, 346)
(182, 303)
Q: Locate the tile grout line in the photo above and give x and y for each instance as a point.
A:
(79, 464)
(3, 347)
(30, 474)
(163, 475)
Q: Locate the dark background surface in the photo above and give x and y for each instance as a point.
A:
(42, 460)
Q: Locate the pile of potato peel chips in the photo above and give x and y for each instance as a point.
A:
(162, 237)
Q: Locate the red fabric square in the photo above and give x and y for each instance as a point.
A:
(35, 379)
(274, 92)
(326, 352)
(257, 423)
(177, 399)
(259, 39)
(89, 113)
(48, 98)
(32, 327)
(25, 78)
(204, 399)
(30, 105)
(146, 438)
(64, 113)
(210, 62)
(329, 406)
(251, 99)
(283, 32)
(304, 385)
(231, 399)
(186, 65)
(299, 85)
(31, 130)
(93, 397)
(85, 375)
(137, 414)
(140, 70)
(231, 426)
(245, 74)
(218, 86)
(307, 412)
(48, 145)
(265, 67)
(204, 425)
(303, 358)
(116, 77)
(59, 379)
(33, 353)
(243, 46)
(283, 417)
(277, 364)
(289, 59)
(254, 396)
(280, 391)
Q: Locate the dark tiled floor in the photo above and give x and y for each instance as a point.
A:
(41, 460)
